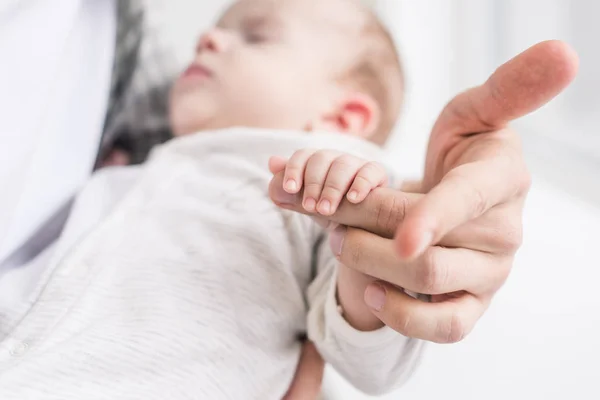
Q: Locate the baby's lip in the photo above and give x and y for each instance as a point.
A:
(197, 70)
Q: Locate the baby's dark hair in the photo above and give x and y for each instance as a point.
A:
(378, 73)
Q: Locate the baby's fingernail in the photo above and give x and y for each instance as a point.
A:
(353, 195)
(325, 207)
(291, 186)
(336, 239)
(375, 296)
(310, 204)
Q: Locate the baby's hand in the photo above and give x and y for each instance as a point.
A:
(327, 176)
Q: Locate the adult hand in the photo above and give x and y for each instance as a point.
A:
(456, 242)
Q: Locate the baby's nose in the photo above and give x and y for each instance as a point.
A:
(214, 40)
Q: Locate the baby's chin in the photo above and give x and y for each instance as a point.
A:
(190, 112)
(187, 123)
(186, 118)
(182, 125)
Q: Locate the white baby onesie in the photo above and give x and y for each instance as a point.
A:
(181, 280)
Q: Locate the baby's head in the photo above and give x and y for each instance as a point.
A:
(325, 65)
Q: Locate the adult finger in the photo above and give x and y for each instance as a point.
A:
(518, 87)
(412, 186)
(381, 212)
(439, 270)
(446, 322)
(308, 378)
(498, 231)
(465, 193)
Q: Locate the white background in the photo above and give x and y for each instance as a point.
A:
(539, 340)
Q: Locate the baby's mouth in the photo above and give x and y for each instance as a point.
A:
(197, 71)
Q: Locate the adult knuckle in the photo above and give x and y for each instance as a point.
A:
(402, 323)
(504, 270)
(513, 239)
(473, 195)
(509, 237)
(390, 212)
(525, 181)
(499, 269)
(498, 95)
(355, 251)
(479, 204)
(452, 330)
(431, 276)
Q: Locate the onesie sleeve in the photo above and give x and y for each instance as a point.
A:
(375, 362)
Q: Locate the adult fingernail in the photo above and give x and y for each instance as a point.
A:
(336, 240)
(375, 296)
(280, 196)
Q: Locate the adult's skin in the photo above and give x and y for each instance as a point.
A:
(453, 236)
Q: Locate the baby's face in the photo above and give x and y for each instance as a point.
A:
(268, 64)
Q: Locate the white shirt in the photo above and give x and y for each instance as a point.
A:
(55, 78)
(181, 279)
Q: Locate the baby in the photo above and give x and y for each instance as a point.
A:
(180, 278)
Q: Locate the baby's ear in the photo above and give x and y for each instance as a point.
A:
(357, 114)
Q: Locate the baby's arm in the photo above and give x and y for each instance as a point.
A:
(372, 357)
(326, 177)
(375, 362)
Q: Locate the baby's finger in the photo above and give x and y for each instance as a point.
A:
(277, 164)
(315, 174)
(340, 176)
(370, 176)
(294, 170)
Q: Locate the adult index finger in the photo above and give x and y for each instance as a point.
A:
(380, 213)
